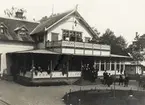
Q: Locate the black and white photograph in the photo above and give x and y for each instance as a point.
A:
(72, 52)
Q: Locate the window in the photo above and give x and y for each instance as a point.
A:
(54, 36)
(108, 66)
(71, 35)
(40, 38)
(22, 32)
(112, 66)
(87, 39)
(2, 28)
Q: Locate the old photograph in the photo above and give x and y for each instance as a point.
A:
(72, 52)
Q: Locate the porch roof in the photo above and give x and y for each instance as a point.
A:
(37, 51)
(45, 51)
(119, 56)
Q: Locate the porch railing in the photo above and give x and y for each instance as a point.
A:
(54, 74)
(73, 44)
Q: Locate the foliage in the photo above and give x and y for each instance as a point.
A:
(109, 38)
(12, 12)
(135, 48)
(43, 19)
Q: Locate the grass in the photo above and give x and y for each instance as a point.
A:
(104, 97)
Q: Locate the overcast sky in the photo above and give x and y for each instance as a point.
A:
(124, 17)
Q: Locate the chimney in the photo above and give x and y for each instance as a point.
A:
(136, 33)
(19, 14)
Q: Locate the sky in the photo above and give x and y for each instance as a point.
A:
(124, 17)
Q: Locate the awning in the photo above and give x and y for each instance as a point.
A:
(120, 56)
(45, 51)
(38, 51)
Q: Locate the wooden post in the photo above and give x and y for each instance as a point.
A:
(81, 72)
(104, 65)
(110, 65)
(100, 65)
(32, 64)
(114, 79)
(51, 69)
(67, 66)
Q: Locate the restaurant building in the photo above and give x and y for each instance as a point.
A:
(64, 42)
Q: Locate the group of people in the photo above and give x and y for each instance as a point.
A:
(89, 72)
(39, 69)
(109, 79)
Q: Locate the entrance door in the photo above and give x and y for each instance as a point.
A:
(54, 36)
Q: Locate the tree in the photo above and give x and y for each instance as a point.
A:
(15, 12)
(121, 42)
(43, 19)
(108, 37)
(135, 48)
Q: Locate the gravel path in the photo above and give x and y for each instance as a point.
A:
(16, 94)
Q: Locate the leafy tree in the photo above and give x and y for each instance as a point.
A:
(135, 48)
(108, 37)
(121, 42)
(13, 12)
(43, 19)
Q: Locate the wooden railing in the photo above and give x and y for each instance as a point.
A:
(77, 45)
(58, 74)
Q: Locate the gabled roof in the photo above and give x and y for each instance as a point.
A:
(52, 21)
(13, 24)
(19, 28)
(118, 51)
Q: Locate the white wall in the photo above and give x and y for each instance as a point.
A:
(68, 24)
(6, 47)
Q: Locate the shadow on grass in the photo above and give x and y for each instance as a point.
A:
(104, 97)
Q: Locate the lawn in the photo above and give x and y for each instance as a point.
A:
(105, 97)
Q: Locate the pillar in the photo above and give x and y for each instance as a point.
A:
(3, 64)
(104, 65)
(115, 67)
(123, 66)
(100, 65)
(110, 65)
(120, 66)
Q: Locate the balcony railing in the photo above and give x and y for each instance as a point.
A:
(76, 45)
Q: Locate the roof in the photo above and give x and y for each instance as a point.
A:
(118, 51)
(119, 56)
(38, 51)
(12, 25)
(51, 21)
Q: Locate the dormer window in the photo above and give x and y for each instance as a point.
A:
(3, 28)
(21, 31)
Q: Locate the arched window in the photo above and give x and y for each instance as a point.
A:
(3, 28)
(22, 32)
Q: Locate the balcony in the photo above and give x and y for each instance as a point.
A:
(71, 44)
(79, 48)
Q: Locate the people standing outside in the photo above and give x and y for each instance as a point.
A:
(109, 80)
(126, 81)
(105, 75)
(121, 80)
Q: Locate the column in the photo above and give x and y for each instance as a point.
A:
(123, 66)
(115, 66)
(51, 69)
(104, 65)
(120, 66)
(100, 65)
(3, 64)
(110, 65)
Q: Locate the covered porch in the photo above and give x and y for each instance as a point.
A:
(55, 66)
